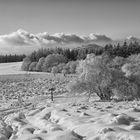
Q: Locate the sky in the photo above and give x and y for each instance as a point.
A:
(114, 18)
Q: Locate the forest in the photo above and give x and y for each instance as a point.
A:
(65, 61)
(11, 58)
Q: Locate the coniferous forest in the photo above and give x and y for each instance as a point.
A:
(124, 50)
(11, 58)
(59, 60)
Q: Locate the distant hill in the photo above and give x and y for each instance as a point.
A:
(89, 46)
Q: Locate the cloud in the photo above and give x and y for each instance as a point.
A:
(132, 38)
(62, 38)
(73, 38)
(20, 38)
(98, 38)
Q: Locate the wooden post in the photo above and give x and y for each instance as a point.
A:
(51, 92)
(51, 95)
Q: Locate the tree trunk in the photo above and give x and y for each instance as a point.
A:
(104, 96)
(51, 95)
(101, 95)
(89, 95)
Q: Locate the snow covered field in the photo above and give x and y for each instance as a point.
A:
(10, 68)
(35, 117)
(13, 68)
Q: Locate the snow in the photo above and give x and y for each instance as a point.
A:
(67, 118)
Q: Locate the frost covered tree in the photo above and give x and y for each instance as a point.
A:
(65, 71)
(40, 64)
(72, 66)
(95, 76)
(132, 72)
(26, 63)
(117, 62)
(124, 89)
(53, 60)
(32, 66)
(132, 67)
(61, 67)
(54, 70)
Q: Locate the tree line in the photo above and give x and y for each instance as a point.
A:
(80, 53)
(124, 50)
(56, 60)
(60, 60)
(11, 58)
(69, 54)
(108, 77)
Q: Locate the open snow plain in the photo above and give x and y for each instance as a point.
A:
(26, 112)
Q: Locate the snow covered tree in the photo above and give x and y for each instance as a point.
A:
(54, 70)
(124, 89)
(132, 67)
(61, 67)
(53, 60)
(40, 64)
(32, 66)
(72, 66)
(132, 72)
(95, 76)
(117, 62)
(26, 63)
